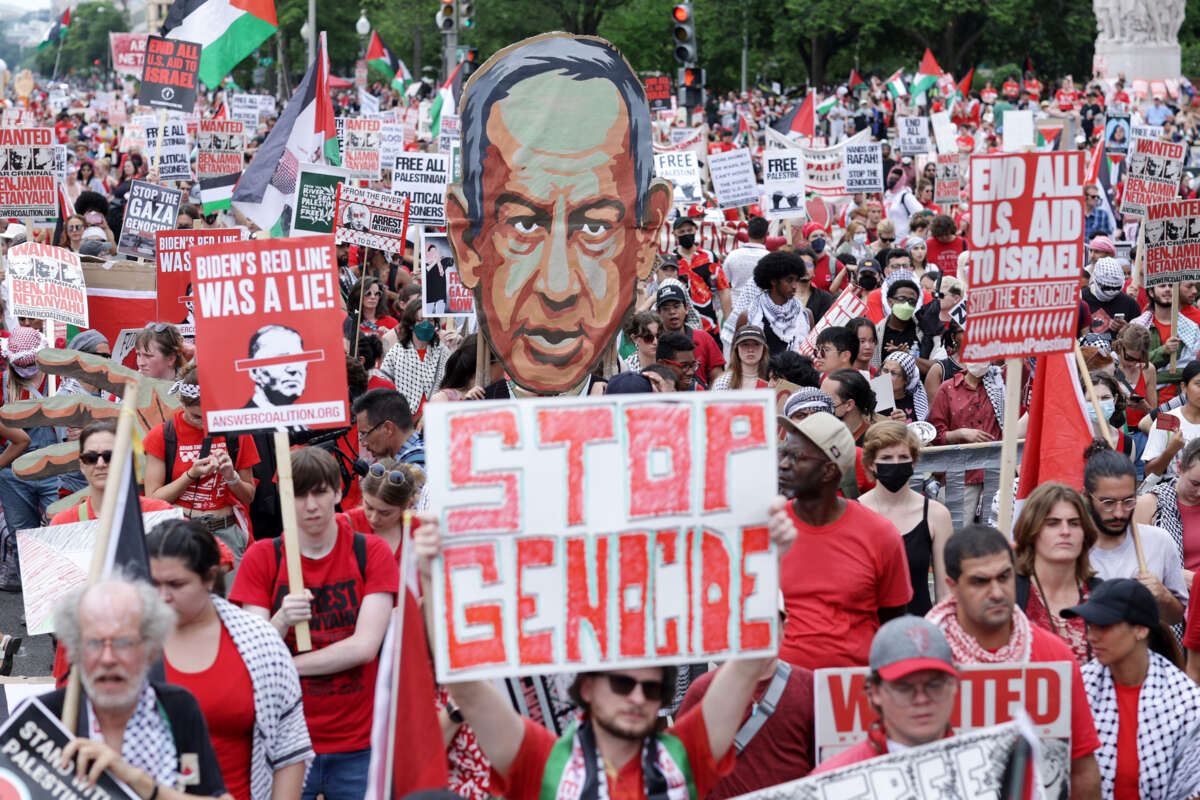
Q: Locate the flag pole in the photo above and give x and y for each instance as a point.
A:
(406, 547)
(58, 55)
(1008, 443)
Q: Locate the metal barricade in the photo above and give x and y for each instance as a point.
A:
(955, 460)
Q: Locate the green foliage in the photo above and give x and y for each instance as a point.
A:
(85, 40)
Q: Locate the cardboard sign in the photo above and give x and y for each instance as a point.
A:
(370, 219)
(360, 153)
(169, 74)
(682, 169)
(1146, 131)
(60, 163)
(845, 308)
(1173, 242)
(783, 183)
(732, 174)
(315, 199)
(1017, 135)
(244, 108)
(946, 184)
(173, 162)
(448, 133)
(128, 53)
(46, 282)
(1026, 254)
(26, 173)
(1117, 134)
(173, 257)
(391, 142)
(266, 105)
(442, 290)
(825, 167)
(864, 168)
(31, 743)
(591, 533)
(220, 145)
(914, 135)
(945, 134)
(1152, 175)
(18, 118)
(658, 92)
(422, 178)
(682, 135)
(270, 308)
(148, 209)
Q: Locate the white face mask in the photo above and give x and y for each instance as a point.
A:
(978, 369)
(860, 238)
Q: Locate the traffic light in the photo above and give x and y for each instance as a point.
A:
(691, 87)
(445, 16)
(684, 33)
(470, 62)
(466, 14)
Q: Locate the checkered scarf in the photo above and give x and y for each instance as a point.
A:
(993, 384)
(912, 383)
(416, 378)
(1168, 729)
(966, 647)
(148, 744)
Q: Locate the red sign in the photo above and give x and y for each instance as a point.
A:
(174, 260)
(1026, 255)
(268, 308)
(848, 306)
(1173, 242)
(658, 92)
(128, 53)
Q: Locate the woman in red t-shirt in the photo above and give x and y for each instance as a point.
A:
(234, 663)
(95, 454)
(368, 296)
(944, 245)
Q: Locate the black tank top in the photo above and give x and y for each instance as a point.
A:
(918, 547)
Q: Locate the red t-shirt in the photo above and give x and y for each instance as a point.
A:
(210, 493)
(707, 353)
(524, 778)
(1048, 647)
(86, 510)
(944, 256)
(1125, 780)
(1066, 99)
(338, 706)
(1191, 312)
(835, 579)
(226, 699)
(1191, 633)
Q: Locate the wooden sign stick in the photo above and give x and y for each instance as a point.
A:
(291, 532)
(1174, 321)
(406, 547)
(162, 123)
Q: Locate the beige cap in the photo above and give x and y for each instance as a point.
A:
(829, 434)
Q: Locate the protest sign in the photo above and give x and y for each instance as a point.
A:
(26, 173)
(60, 163)
(173, 163)
(824, 167)
(945, 133)
(173, 259)
(1117, 134)
(18, 118)
(169, 74)
(244, 108)
(315, 199)
(658, 92)
(266, 105)
(1145, 131)
(732, 174)
(370, 219)
(1172, 242)
(391, 142)
(270, 308)
(1152, 175)
(681, 135)
(783, 183)
(220, 145)
(46, 282)
(31, 744)
(683, 171)
(448, 133)
(422, 178)
(1026, 250)
(133, 138)
(360, 151)
(55, 559)
(989, 694)
(1017, 135)
(442, 290)
(946, 184)
(913, 135)
(864, 168)
(623, 507)
(848, 306)
(148, 209)
(128, 53)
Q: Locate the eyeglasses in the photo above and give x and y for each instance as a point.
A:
(686, 366)
(395, 476)
(623, 685)
(120, 645)
(74, 227)
(371, 430)
(91, 457)
(1111, 503)
(936, 689)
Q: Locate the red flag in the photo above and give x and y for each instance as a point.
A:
(929, 65)
(801, 119)
(855, 78)
(1059, 428)
(964, 86)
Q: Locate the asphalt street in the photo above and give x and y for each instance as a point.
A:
(36, 656)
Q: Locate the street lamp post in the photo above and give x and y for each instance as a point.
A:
(306, 30)
(363, 26)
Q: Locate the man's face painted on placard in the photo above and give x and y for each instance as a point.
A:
(559, 251)
(282, 383)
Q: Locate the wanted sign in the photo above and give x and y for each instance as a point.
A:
(864, 168)
(442, 290)
(149, 209)
(169, 74)
(173, 163)
(945, 182)
(270, 308)
(220, 145)
(46, 282)
(360, 151)
(1173, 242)
(682, 169)
(315, 199)
(173, 258)
(448, 133)
(644, 521)
(370, 219)
(732, 174)
(1152, 175)
(422, 178)
(1026, 254)
(27, 173)
(914, 135)
(783, 183)
(658, 92)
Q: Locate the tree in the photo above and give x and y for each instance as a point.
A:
(85, 42)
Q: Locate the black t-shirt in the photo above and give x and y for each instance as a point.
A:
(1102, 313)
(905, 337)
(819, 301)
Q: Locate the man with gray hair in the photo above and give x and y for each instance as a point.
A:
(152, 736)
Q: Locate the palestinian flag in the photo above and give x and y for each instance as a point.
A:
(56, 30)
(1047, 138)
(1059, 428)
(745, 132)
(800, 119)
(227, 31)
(855, 79)
(447, 99)
(403, 77)
(895, 85)
(964, 86)
(379, 57)
(827, 103)
(304, 134)
(216, 194)
(927, 75)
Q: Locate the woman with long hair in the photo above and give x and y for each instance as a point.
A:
(854, 241)
(159, 348)
(459, 381)
(643, 329)
(868, 340)
(747, 361)
(72, 233)
(1135, 373)
(1162, 447)
(418, 360)
(368, 304)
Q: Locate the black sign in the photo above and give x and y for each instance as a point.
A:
(169, 76)
(658, 92)
(148, 210)
(31, 743)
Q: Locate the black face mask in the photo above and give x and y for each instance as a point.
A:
(687, 240)
(868, 281)
(892, 181)
(894, 476)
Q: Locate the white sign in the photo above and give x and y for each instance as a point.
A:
(864, 168)
(172, 163)
(1018, 133)
(423, 177)
(683, 170)
(244, 108)
(914, 135)
(944, 132)
(733, 179)
(783, 183)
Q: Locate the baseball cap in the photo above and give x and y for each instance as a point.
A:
(749, 333)
(905, 645)
(13, 230)
(670, 292)
(828, 433)
(628, 383)
(870, 263)
(1118, 600)
(684, 219)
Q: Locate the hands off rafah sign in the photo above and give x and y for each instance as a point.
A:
(587, 533)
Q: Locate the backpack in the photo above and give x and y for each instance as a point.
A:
(171, 446)
(360, 556)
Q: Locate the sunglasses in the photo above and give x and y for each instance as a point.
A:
(92, 457)
(885, 239)
(157, 327)
(395, 477)
(623, 685)
(74, 227)
(649, 337)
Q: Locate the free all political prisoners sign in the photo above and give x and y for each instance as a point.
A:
(269, 307)
(585, 533)
(47, 283)
(1026, 254)
(1173, 242)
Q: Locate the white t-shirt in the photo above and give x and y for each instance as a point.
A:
(739, 265)
(1157, 441)
(1162, 560)
(899, 207)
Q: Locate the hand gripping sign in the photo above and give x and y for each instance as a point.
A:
(584, 533)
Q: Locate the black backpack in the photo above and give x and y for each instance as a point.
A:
(360, 556)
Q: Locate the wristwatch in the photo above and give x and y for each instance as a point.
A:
(454, 712)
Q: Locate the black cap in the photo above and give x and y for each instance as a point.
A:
(684, 219)
(669, 292)
(869, 263)
(628, 383)
(1118, 600)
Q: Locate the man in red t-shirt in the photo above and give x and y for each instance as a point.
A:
(984, 625)
(944, 245)
(350, 584)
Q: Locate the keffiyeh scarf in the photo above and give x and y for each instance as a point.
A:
(416, 378)
(582, 776)
(966, 648)
(788, 321)
(993, 384)
(148, 744)
(913, 386)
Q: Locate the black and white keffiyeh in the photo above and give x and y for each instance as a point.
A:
(789, 321)
(913, 385)
(148, 744)
(993, 384)
(1166, 516)
(416, 378)
(1168, 729)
